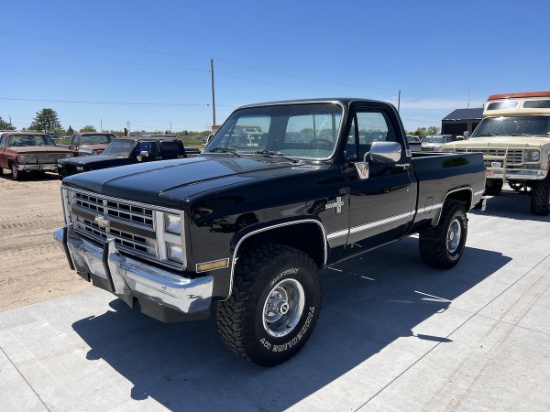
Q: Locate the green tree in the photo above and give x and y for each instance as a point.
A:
(70, 130)
(5, 125)
(433, 130)
(88, 128)
(430, 131)
(46, 120)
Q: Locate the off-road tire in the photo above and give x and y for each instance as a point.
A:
(493, 187)
(442, 246)
(274, 305)
(540, 198)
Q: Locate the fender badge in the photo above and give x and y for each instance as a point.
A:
(101, 222)
(335, 205)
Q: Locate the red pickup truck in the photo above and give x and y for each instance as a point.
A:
(88, 143)
(29, 152)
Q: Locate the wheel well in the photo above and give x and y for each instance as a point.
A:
(462, 196)
(307, 237)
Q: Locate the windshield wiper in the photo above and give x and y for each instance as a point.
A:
(277, 154)
(220, 149)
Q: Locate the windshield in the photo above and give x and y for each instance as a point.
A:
(97, 138)
(120, 147)
(31, 140)
(536, 126)
(437, 139)
(305, 131)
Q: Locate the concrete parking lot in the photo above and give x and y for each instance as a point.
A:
(393, 335)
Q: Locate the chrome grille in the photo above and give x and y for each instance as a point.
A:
(44, 157)
(124, 211)
(513, 157)
(129, 223)
(123, 239)
(137, 229)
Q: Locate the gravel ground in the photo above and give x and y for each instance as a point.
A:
(32, 266)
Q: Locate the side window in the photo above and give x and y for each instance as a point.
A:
(150, 147)
(373, 126)
(170, 149)
(74, 140)
(3, 141)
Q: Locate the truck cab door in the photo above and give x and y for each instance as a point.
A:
(74, 143)
(3, 159)
(382, 200)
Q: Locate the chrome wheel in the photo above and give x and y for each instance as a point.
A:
(283, 308)
(453, 236)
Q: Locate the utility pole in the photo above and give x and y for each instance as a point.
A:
(398, 100)
(213, 93)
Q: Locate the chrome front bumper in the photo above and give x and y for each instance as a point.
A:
(32, 167)
(516, 174)
(129, 278)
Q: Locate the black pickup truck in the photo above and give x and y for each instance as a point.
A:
(247, 225)
(127, 151)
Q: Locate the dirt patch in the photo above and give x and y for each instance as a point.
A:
(32, 266)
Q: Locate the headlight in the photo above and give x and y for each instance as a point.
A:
(22, 158)
(172, 223)
(174, 252)
(80, 168)
(532, 156)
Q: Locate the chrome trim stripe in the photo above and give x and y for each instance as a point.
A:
(339, 233)
(430, 209)
(378, 223)
(265, 229)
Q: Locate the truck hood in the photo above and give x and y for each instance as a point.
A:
(39, 149)
(498, 142)
(173, 183)
(84, 160)
(95, 145)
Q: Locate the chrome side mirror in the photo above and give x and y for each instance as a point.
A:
(380, 152)
(142, 154)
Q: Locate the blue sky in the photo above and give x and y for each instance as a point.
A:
(147, 64)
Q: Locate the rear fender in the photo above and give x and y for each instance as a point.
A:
(464, 195)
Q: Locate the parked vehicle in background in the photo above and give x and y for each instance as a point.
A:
(190, 151)
(126, 151)
(245, 229)
(89, 143)
(434, 143)
(29, 152)
(414, 143)
(514, 137)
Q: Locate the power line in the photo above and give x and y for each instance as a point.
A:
(194, 56)
(105, 60)
(114, 103)
(102, 45)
